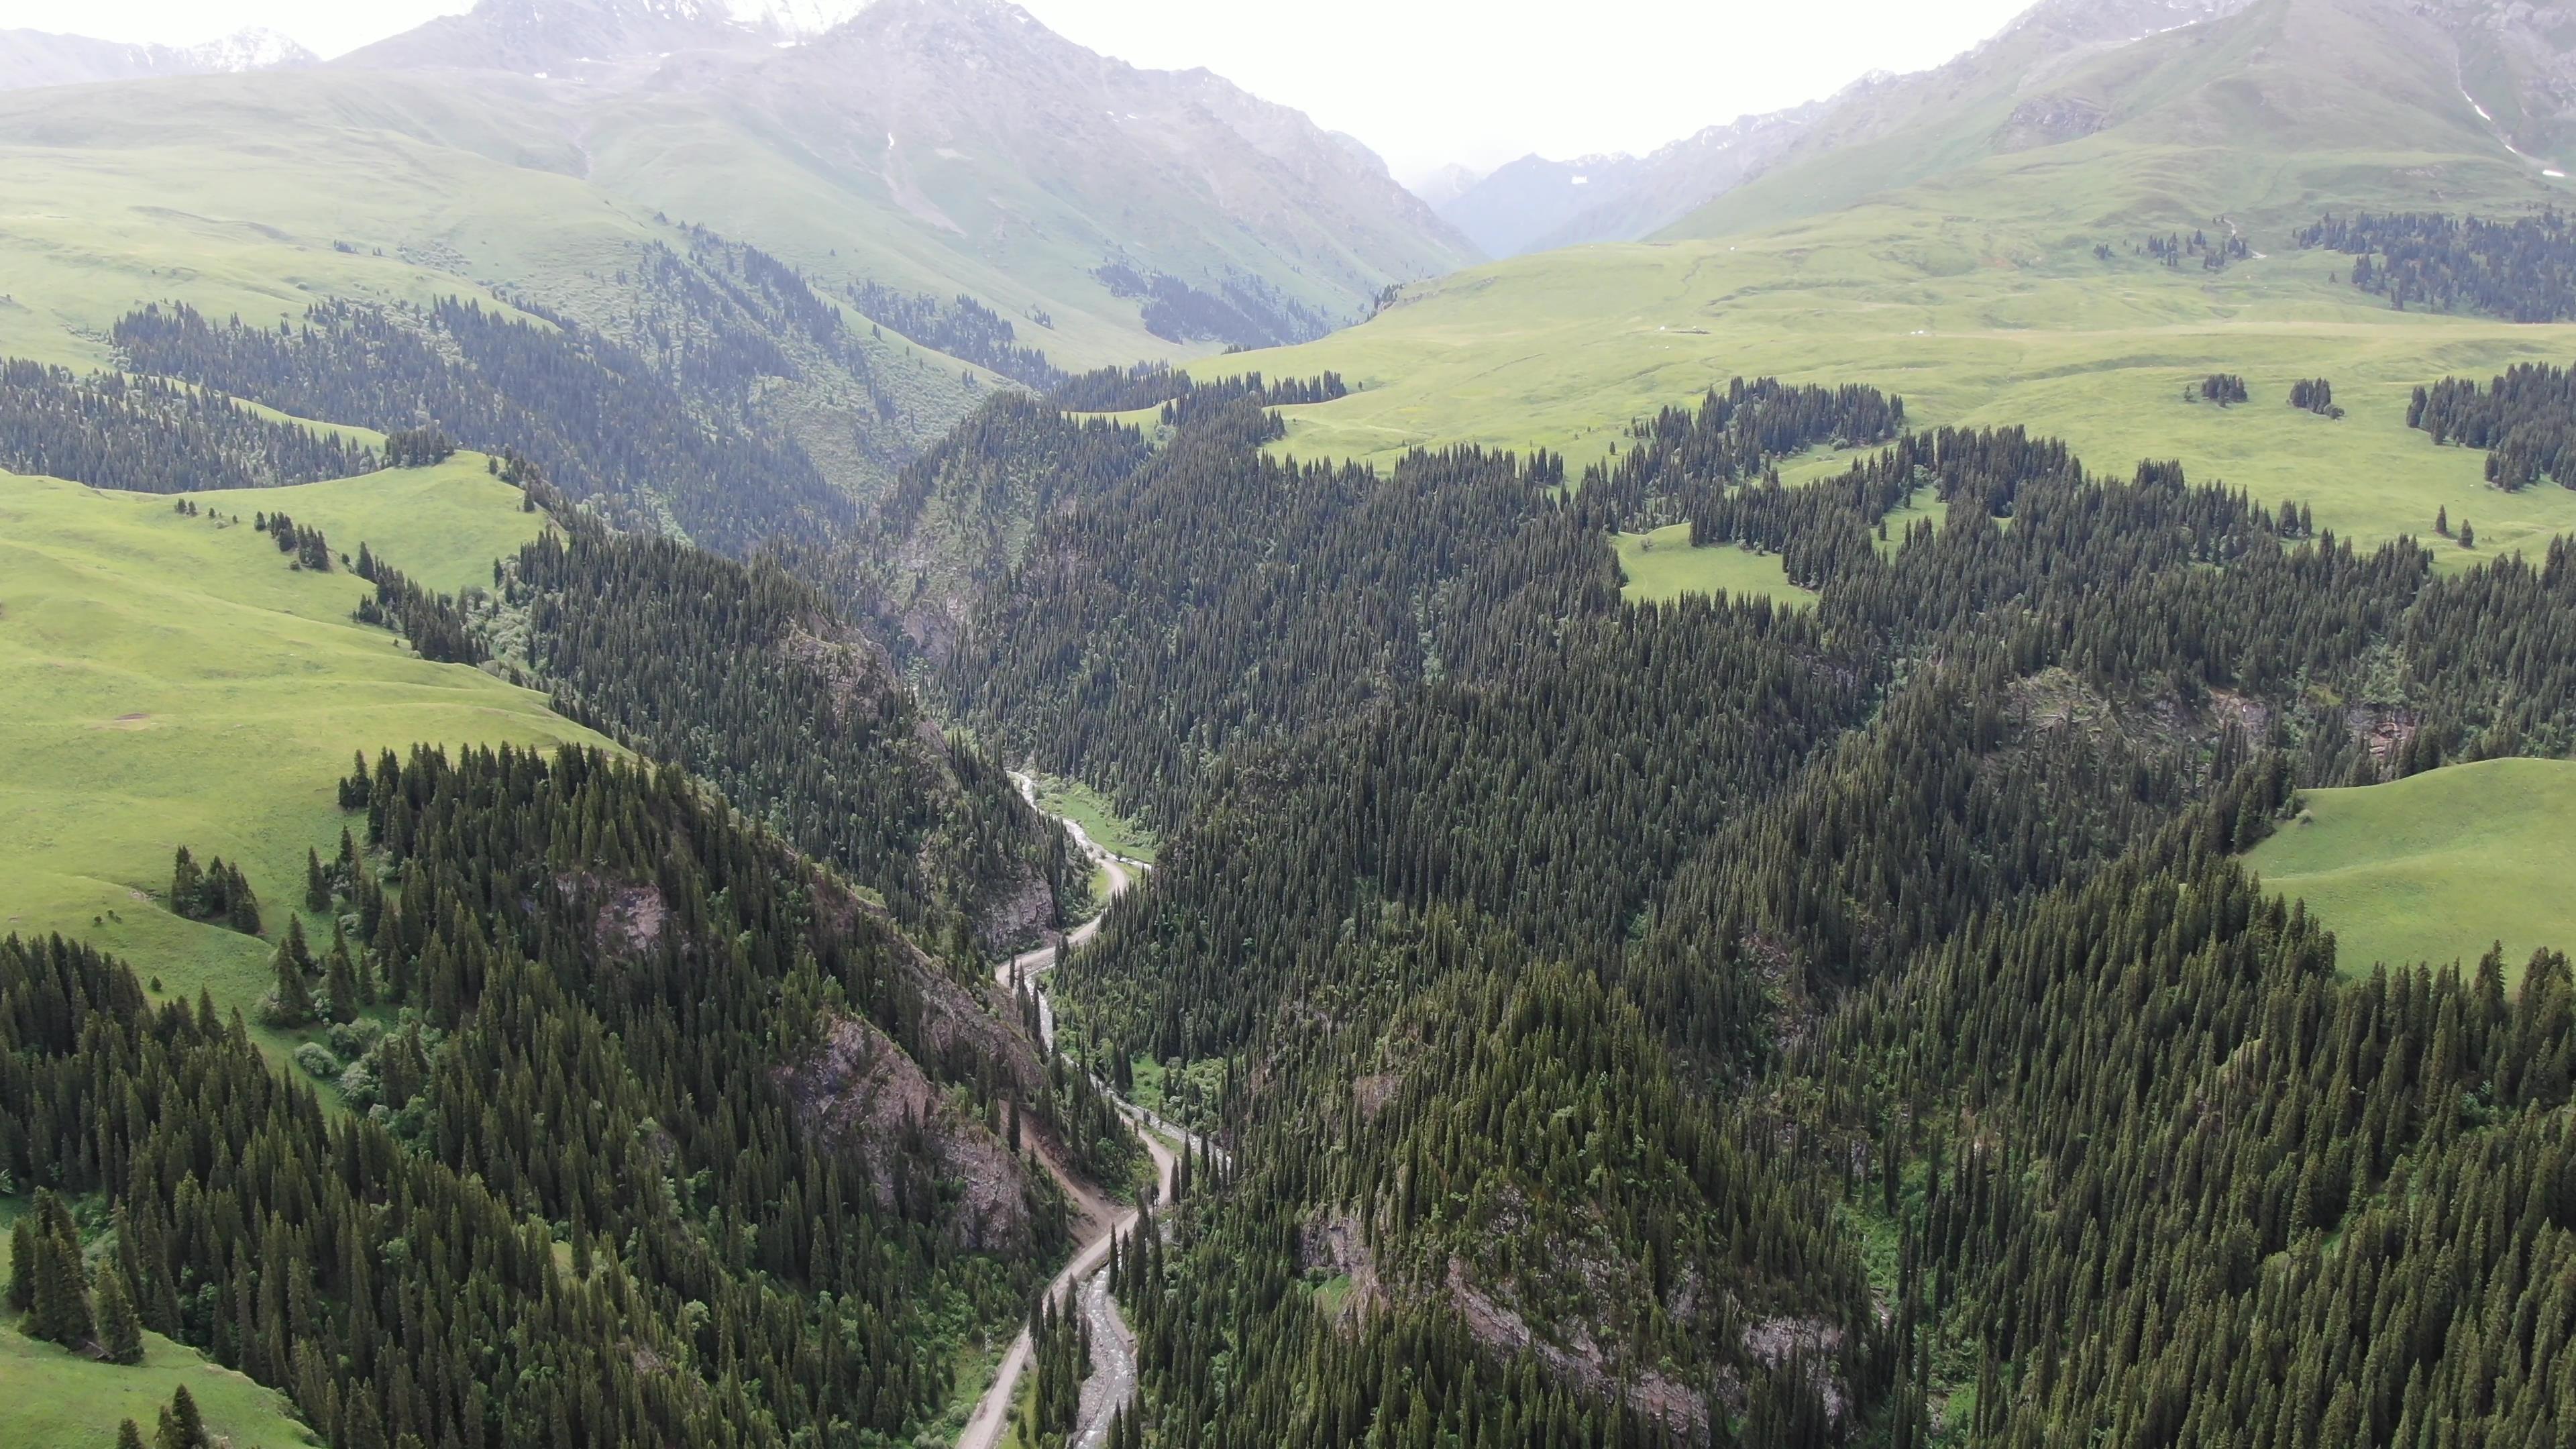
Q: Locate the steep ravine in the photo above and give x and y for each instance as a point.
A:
(1113, 1380)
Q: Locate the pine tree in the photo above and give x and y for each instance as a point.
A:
(2468, 535)
(120, 1328)
(2442, 520)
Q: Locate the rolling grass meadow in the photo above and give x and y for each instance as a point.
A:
(1561, 350)
(173, 681)
(2436, 867)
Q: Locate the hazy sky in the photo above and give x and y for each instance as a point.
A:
(1423, 81)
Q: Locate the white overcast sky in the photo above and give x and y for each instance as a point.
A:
(1423, 81)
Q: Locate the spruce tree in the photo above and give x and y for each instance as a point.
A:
(187, 883)
(292, 1001)
(243, 914)
(58, 1311)
(342, 977)
(317, 886)
(182, 1426)
(129, 1435)
(120, 1328)
(22, 1263)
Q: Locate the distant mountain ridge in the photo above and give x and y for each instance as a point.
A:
(34, 58)
(924, 150)
(1511, 208)
(1225, 217)
(524, 35)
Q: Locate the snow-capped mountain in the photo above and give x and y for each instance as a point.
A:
(31, 58)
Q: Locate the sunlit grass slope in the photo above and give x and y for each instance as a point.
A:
(174, 682)
(54, 1399)
(2438, 866)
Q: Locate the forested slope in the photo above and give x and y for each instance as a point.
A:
(746, 676)
(1755, 835)
(655, 1161)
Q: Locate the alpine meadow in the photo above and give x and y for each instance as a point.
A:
(832, 724)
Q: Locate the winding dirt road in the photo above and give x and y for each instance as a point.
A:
(1113, 1381)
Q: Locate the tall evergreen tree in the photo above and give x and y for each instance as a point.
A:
(120, 1327)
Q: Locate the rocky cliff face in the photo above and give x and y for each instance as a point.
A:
(2518, 66)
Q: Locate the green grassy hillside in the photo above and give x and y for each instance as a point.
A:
(443, 526)
(237, 193)
(1964, 277)
(2436, 867)
(175, 682)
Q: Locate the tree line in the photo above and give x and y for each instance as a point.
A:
(2522, 269)
(605, 425)
(154, 435)
(2525, 419)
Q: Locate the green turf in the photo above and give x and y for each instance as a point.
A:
(52, 1399)
(1662, 566)
(443, 526)
(2436, 867)
(1099, 819)
(174, 682)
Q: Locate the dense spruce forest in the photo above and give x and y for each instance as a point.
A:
(961, 327)
(2522, 269)
(2525, 420)
(605, 426)
(1149, 385)
(1450, 818)
(1243, 312)
(650, 1159)
(745, 676)
(1223, 596)
(150, 435)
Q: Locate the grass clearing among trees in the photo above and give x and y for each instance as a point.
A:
(2435, 867)
(1662, 566)
(1098, 818)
